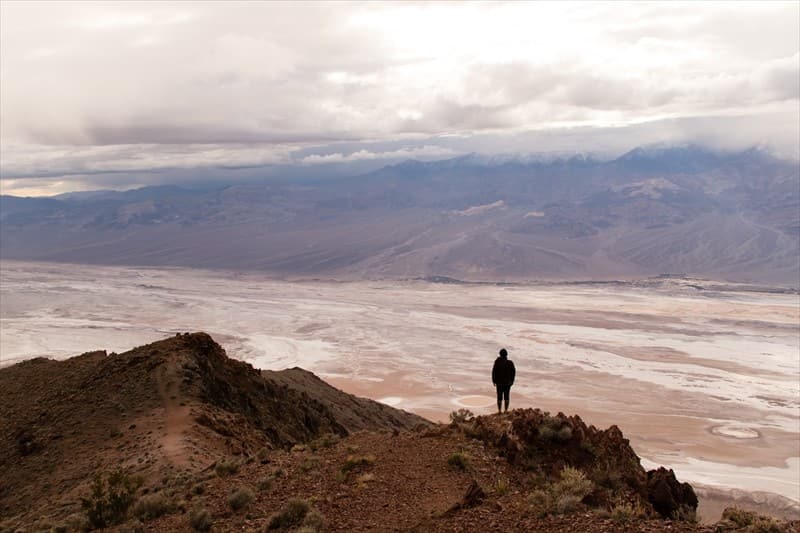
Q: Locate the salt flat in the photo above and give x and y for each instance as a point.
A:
(702, 377)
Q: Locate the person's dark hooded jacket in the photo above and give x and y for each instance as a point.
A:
(503, 372)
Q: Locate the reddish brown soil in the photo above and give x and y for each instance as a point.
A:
(411, 489)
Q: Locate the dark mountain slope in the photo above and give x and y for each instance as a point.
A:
(352, 412)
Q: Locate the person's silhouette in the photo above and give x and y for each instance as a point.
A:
(503, 374)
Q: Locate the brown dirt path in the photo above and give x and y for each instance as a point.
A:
(177, 417)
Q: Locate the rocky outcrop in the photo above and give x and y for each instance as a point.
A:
(667, 495)
(285, 416)
(538, 441)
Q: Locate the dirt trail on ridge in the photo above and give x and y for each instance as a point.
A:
(177, 416)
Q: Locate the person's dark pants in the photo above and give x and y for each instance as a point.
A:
(503, 392)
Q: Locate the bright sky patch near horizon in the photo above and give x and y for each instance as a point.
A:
(120, 94)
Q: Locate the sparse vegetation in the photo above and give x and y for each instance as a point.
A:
(501, 486)
(461, 416)
(574, 483)
(263, 455)
(737, 519)
(240, 498)
(226, 468)
(624, 513)
(325, 441)
(587, 446)
(152, 506)
(313, 522)
(562, 497)
(554, 429)
(110, 499)
(355, 461)
(540, 502)
(291, 515)
(364, 479)
(200, 519)
(265, 483)
(458, 461)
(312, 463)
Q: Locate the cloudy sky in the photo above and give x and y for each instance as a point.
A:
(124, 94)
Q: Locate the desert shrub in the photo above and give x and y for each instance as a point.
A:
(765, 524)
(563, 496)
(200, 519)
(739, 517)
(554, 429)
(325, 441)
(574, 483)
(263, 455)
(363, 479)
(265, 483)
(152, 506)
(564, 434)
(355, 461)
(627, 512)
(566, 503)
(291, 515)
(461, 416)
(501, 486)
(182, 479)
(110, 499)
(587, 446)
(734, 518)
(540, 502)
(240, 498)
(199, 489)
(310, 464)
(226, 468)
(546, 433)
(608, 475)
(313, 522)
(458, 461)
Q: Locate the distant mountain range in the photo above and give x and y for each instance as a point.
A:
(654, 210)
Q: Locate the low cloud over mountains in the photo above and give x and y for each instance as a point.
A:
(674, 210)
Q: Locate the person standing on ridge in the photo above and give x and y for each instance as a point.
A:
(503, 374)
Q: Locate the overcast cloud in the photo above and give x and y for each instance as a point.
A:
(121, 90)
